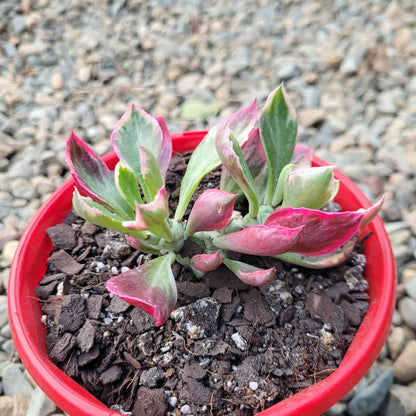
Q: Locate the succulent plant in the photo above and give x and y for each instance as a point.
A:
(262, 164)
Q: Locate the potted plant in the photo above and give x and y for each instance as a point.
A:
(284, 196)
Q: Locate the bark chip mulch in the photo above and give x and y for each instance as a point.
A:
(228, 349)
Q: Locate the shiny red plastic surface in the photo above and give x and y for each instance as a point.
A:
(29, 334)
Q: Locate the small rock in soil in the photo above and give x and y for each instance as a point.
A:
(198, 319)
(152, 377)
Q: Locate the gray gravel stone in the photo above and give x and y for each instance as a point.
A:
(407, 309)
(14, 381)
(405, 364)
(410, 288)
(40, 404)
(401, 401)
(370, 399)
(151, 378)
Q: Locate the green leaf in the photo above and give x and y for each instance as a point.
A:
(278, 129)
(309, 187)
(151, 175)
(204, 159)
(278, 192)
(96, 213)
(127, 185)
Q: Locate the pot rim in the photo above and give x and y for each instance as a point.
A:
(29, 334)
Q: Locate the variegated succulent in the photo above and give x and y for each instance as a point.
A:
(260, 162)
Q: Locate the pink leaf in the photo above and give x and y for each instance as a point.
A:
(153, 216)
(302, 156)
(322, 232)
(249, 274)
(253, 152)
(166, 149)
(241, 122)
(132, 241)
(206, 262)
(150, 287)
(260, 240)
(212, 211)
(370, 213)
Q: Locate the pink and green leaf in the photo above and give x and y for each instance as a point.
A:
(206, 262)
(249, 274)
(165, 154)
(150, 287)
(278, 129)
(205, 158)
(153, 217)
(212, 211)
(322, 232)
(231, 157)
(260, 240)
(253, 154)
(142, 244)
(92, 176)
(309, 187)
(136, 128)
(98, 214)
(324, 261)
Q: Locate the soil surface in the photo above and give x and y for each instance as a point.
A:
(229, 349)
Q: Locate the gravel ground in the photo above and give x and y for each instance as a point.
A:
(349, 66)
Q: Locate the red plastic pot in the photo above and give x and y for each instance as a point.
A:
(29, 334)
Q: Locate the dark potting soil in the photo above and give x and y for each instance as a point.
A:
(229, 349)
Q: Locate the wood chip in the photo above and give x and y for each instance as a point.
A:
(65, 263)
